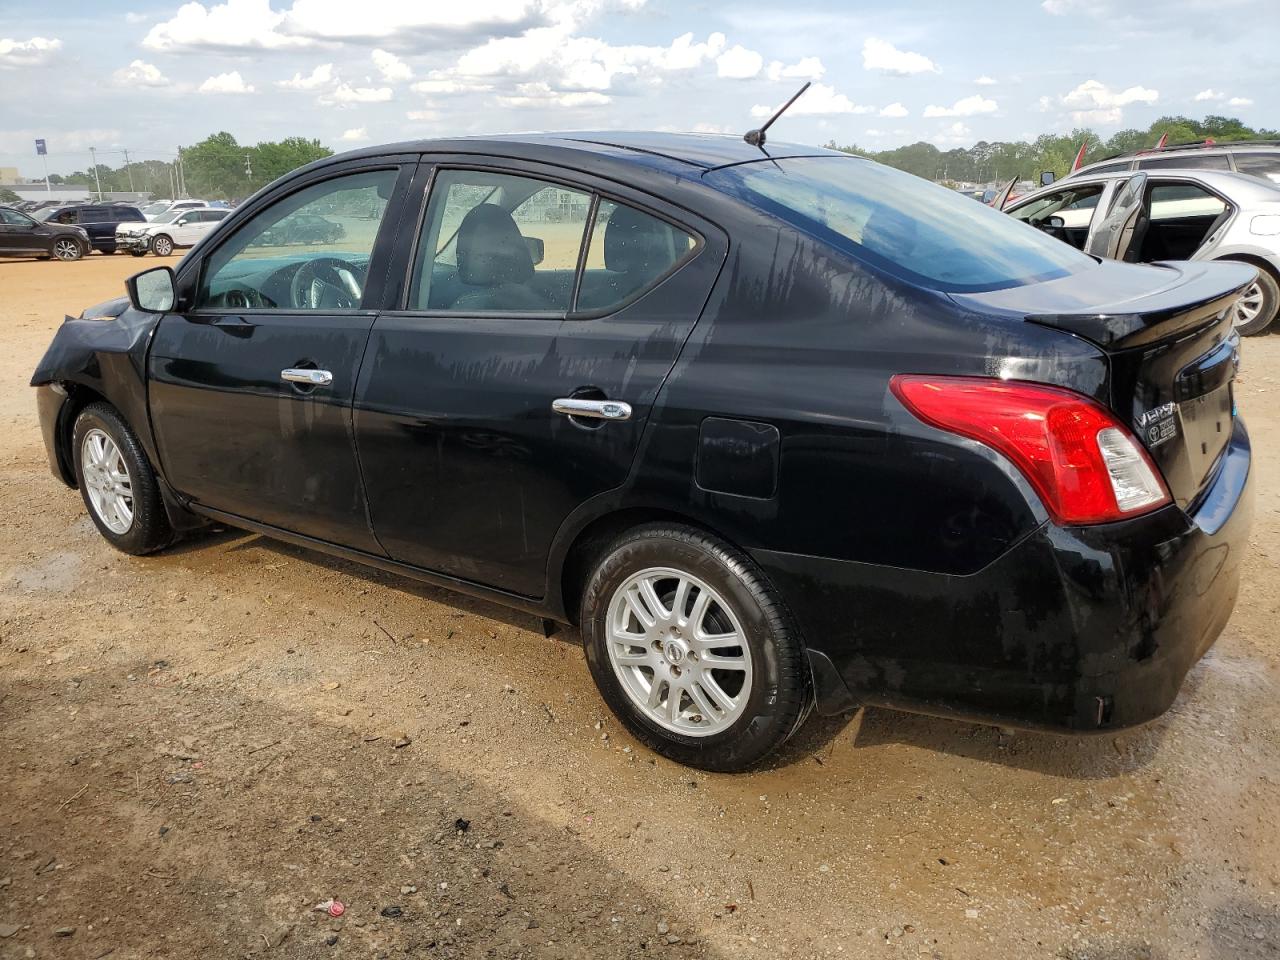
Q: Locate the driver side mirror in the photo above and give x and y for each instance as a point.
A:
(152, 291)
(1047, 177)
(537, 249)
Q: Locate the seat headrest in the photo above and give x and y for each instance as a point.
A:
(635, 242)
(491, 250)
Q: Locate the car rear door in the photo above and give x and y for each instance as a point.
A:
(513, 382)
(250, 383)
(1119, 234)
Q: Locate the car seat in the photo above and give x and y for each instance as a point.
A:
(494, 262)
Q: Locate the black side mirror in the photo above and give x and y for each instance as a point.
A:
(537, 249)
(152, 291)
(1047, 177)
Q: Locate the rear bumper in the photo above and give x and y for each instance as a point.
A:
(1073, 629)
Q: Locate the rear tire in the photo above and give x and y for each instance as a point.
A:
(1258, 305)
(67, 249)
(162, 245)
(704, 602)
(117, 484)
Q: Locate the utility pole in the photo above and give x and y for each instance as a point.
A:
(182, 179)
(128, 169)
(248, 169)
(93, 154)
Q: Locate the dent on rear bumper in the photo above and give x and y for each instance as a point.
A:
(1086, 629)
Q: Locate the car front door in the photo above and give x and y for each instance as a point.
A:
(538, 324)
(1120, 234)
(18, 233)
(251, 381)
(189, 228)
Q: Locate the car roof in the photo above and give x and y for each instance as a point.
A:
(688, 154)
(1187, 149)
(1236, 187)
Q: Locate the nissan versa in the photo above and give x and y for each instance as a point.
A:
(778, 428)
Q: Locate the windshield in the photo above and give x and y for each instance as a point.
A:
(169, 217)
(151, 209)
(900, 223)
(46, 212)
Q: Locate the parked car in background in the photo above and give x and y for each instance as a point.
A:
(98, 219)
(24, 236)
(180, 227)
(1255, 158)
(777, 429)
(306, 228)
(171, 205)
(1174, 215)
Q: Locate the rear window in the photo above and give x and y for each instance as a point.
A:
(901, 223)
(1264, 166)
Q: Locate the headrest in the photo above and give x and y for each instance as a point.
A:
(491, 250)
(635, 242)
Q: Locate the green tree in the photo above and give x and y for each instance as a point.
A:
(8, 196)
(272, 160)
(215, 168)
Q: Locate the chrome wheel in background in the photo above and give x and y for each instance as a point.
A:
(1249, 305)
(107, 481)
(679, 651)
(66, 250)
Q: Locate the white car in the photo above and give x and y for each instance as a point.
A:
(182, 227)
(154, 211)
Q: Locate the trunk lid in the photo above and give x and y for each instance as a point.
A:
(1172, 353)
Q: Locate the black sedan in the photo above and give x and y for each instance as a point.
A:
(23, 236)
(776, 428)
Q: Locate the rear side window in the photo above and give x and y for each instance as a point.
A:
(900, 223)
(126, 214)
(629, 251)
(1109, 168)
(1187, 161)
(93, 215)
(1264, 166)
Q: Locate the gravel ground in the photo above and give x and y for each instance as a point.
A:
(201, 746)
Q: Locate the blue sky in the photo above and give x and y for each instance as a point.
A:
(150, 76)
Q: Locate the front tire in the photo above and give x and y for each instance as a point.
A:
(692, 650)
(117, 484)
(1258, 305)
(162, 245)
(67, 249)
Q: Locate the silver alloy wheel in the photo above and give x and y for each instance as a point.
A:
(66, 250)
(106, 478)
(679, 651)
(1249, 305)
(163, 246)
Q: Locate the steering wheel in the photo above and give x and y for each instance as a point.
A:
(242, 298)
(325, 282)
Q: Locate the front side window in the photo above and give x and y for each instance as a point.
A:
(307, 251)
(13, 218)
(492, 242)
(902, 224)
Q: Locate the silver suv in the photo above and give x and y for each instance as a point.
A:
(1256, 158)
(1154, 215)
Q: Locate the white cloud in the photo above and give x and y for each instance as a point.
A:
(1064, 8)
(818, 100)
(1239, 102)
(61, 142)
(955, 133)
(392, 68)
(140, 74)
(233, 25)
(806, 68)
(966, 107)
(133, 17)
(882, 55)
(355, 135)
(894, 110)
(427, 115)
(1217, 96)
(438, 84)
(1093, 102)
(321, 76)
(35, 52)
(539, 94)
(739, 63)
(985, 81)
(430, 22)
(1209, 94)
(344, 94)
(230, 82)
(705, 127)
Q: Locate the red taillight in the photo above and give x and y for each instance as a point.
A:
(1082, 461)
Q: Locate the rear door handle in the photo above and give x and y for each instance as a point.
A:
(312, 378)
(599, 409)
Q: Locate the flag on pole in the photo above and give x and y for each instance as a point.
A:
(1164, 138)
(1080, 156)
(41, 149)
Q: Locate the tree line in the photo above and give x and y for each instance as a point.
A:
(220, 168)
(216, 168)
(1004, 160)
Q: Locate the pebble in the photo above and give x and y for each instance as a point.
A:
(391, 911)
(64, 931)
(7, 930)
(401, 740)
(408, 888)
(663, 928)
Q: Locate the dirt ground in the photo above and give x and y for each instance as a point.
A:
(200, 746)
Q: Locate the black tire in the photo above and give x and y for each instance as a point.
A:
(138, 253)
(780, 696)
(149, 529)
(162, 245)
(67, 249)
(1269, 288)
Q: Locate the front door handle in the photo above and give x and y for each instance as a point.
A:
(599, 409)
(311, 378)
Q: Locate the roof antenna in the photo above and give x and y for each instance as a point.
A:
(756, 137)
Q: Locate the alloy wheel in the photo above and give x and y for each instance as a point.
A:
(106, 478)
(163, 246)
(679, 651)
(66, 250)
(1249, 305)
